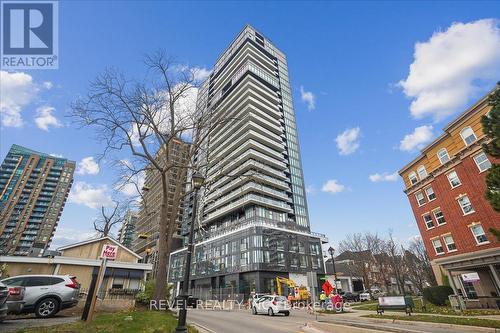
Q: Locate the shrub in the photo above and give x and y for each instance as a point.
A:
(145, 296)
(437, 295)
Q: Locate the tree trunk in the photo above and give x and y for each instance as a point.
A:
(163, 244)
(167, 227)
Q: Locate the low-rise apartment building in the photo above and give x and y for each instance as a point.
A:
(445, 185)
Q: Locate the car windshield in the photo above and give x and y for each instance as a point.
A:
(280, 298)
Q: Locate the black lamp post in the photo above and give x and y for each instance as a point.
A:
(331, 250)
(197, 181)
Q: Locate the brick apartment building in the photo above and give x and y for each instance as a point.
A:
(445, 185)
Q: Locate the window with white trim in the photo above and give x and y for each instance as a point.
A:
(429, 223)
(450, 243)
(422, 173)
(465, 204)
(482, 162)
(420, 198)
(429, 191)
(453, 179)
(413, 177)
(443, 155)
(438, 247)
(468, 136)
(479, 234)
(438, 214)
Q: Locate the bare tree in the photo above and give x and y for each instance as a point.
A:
(395, 254)
(146, 118)
(419, 270)
(361, 249)
(109, 219)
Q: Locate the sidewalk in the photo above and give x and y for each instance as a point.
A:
(399, 313)
(355, 321)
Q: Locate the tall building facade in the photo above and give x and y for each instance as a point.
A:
(254, 223)
(147, 226)
(33, 190)
(445, 185)
(127, 234)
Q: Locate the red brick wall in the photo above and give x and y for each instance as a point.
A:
(473, 184)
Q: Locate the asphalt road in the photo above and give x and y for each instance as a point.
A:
(219, 321)
(222, 321)
(13, 325)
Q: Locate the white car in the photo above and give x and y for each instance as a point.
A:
(376, 293)
(45, 295)
(271, 304)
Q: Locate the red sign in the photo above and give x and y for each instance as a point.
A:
(327, 287)
(109, 251)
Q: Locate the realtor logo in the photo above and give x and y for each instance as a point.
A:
(29, 33)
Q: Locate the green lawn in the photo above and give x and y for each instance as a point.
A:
(142, 322)
(443, 320)
(432, 309)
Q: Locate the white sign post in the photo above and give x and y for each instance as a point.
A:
(108, 252)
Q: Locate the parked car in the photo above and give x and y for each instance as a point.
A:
(271, 305)
(375, 294)
(15, 301)
(350, 296)
(46, 295)
(4, 294)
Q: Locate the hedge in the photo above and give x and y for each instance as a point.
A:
(437, 295)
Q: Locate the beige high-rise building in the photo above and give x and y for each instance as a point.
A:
(147, 226)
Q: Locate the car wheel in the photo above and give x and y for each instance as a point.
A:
(47, 307)
(270, 312)
(287, 313)
(254, 310)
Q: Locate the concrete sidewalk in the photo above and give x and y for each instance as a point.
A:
(355, 322)
(398, 313)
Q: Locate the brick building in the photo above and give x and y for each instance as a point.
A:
(445, 185)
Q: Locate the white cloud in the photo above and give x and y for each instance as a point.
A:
(201, 73)
(383, 177)
(17, 91)
(451, 66)
(45, 118)
(65, 236)
(415, 238)
(348, 141)
(185, 107)
(308, 98)
(132, 187)
(90, 196)
(332, 186)
(420, 136)
(88, 166)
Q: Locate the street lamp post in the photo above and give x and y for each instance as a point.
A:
(197, 181)
(331, 250)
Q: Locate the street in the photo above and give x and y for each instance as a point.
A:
(243, 321)
(15, 324)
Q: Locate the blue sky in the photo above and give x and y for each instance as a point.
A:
(345, 61)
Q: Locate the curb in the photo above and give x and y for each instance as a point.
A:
(440, 325)
(307, 328)
(411, 324)
(203, 329)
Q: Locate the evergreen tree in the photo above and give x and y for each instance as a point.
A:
(491, 127)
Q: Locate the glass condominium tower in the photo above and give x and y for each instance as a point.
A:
(253, 220)
(33, 190)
